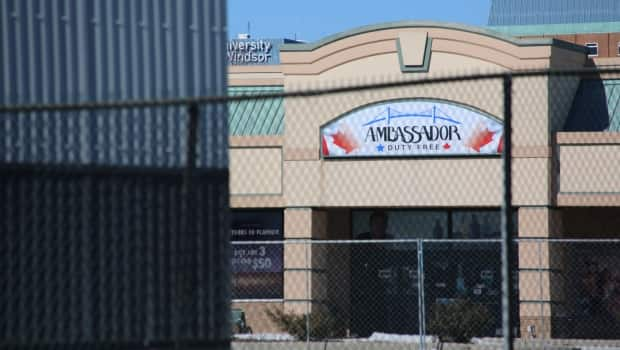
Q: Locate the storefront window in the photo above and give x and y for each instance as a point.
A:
(592, 276)
(257, 267)
(405, 223)
(478, 224)
(462, 260)
(434, 224)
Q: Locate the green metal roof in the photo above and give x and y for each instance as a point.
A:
(255, 117)
(558, 28)
(596, 106)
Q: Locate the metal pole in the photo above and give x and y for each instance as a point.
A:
(308, 298)
(182, 254)
(421, 313)
(541, 332)
(507, 218)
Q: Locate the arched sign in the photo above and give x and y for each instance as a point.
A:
(412, 128)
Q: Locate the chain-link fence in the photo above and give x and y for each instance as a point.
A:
(391, 211)
(111, 236)
(439, 291)
(362, 216)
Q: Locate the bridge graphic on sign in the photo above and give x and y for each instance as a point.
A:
(411, 128)
(390, 114)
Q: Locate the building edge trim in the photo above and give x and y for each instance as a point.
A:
(430, 24)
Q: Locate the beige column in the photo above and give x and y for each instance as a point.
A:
(304, 263)
(541, 286)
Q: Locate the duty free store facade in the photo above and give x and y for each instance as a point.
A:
(428, 156)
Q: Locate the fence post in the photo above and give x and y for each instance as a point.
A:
(421, 306)
(507, 312)
(182, 254)
(540, 282)
(308, 281)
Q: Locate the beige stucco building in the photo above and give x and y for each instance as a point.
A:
(564, 182)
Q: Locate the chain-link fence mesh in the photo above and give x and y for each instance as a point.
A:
(370, 292)
(362, 217)
(109, 236)
(432, 277)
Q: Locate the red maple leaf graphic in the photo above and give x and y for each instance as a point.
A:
(500, 147)
(345, 140)
(446, 146)
(324, 147)
(479, 138)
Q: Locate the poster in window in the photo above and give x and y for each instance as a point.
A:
(257, 254)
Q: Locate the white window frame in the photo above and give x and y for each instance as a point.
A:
(618, 49)
(593, 44)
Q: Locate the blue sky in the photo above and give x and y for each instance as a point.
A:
(310, 20)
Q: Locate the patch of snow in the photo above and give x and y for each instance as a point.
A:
(265, 337)
(486, 341)
(400, 338)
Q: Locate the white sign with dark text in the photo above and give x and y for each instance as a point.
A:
(244, 52)
(412, 128)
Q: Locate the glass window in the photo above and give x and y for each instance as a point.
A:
(257, 267)
(592, 271)
(592, 49)
(618, 53)
(384, 277)
(404, 223)
(433, 224)
(478, 224)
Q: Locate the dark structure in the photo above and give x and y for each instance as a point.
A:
(114, 222)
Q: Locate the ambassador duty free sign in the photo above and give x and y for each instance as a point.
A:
(412, 128)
